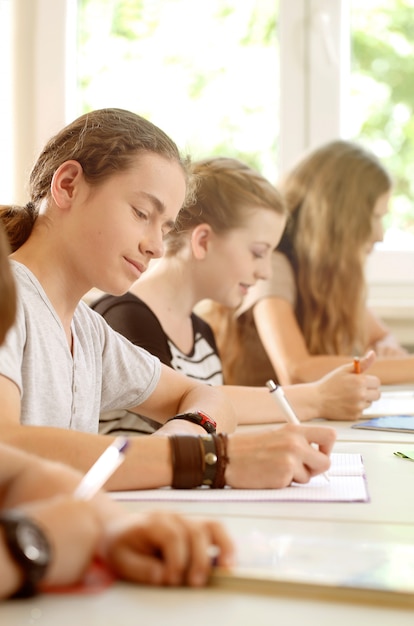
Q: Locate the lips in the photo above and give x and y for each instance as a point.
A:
(138, 268)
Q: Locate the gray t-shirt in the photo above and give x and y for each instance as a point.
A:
(106, 371)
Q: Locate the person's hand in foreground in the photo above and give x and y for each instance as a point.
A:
(166, 549)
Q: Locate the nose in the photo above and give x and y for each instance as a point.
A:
(378, 232)
(153, 246)
(265, 270)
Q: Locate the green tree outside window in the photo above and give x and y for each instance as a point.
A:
(206, 71)
(382, 94)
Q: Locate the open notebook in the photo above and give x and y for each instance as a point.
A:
(315, 566)
(392, 403)
(346, 484)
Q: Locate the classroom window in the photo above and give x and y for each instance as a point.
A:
(382, 101)
(297, 92)
(205, 72)
(6, 144)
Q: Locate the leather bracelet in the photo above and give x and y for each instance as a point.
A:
(197, 417)
(223, 460)
(208, 443)
(187, 461)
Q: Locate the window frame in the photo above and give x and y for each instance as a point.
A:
(315, 69)
(314, 72)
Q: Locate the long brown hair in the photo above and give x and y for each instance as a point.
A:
(331, 194)
(228, 191)
(104, 141)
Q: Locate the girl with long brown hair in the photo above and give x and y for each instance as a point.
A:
(311, 316)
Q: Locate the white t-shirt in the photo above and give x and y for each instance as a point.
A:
(106, 371)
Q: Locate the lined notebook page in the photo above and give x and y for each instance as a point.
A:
(347, 483)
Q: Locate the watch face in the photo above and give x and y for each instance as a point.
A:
(32, 543)
(29, 548)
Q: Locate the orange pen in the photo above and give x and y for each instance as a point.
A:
(357, 365)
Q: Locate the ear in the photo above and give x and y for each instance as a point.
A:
(64, 183)
(200, 240)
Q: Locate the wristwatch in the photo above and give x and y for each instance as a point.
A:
(198, 417)
(29, 548)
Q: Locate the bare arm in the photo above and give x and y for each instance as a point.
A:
(38, 488)
(158, 548)
(340, 395)
(176, 393)
(285, 451)
(148, 463)
(285, 346)
(381, 339)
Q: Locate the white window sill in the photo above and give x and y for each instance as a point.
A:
(390, 278)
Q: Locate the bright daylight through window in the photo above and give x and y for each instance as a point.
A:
(382, 101)
(206, 72)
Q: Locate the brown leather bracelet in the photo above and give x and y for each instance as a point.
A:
(223, 460)
(208, 443)
(187, 461)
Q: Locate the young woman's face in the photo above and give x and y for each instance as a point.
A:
(240, 258)
(378, 213)
(122, 222)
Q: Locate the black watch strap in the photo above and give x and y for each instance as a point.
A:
(200, 418)
(28, 547)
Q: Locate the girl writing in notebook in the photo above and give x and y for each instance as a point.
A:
(104, 192)
(311, 315)
(220, 247)
(48, 537)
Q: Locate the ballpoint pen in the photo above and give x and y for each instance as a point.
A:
(280, 398)
(102, 469)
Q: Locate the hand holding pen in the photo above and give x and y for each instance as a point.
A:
(280, 399)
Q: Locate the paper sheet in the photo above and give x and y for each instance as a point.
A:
(392, 403)
(347, 484)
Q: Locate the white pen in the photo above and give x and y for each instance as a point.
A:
(102, 469)
(280, 398)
